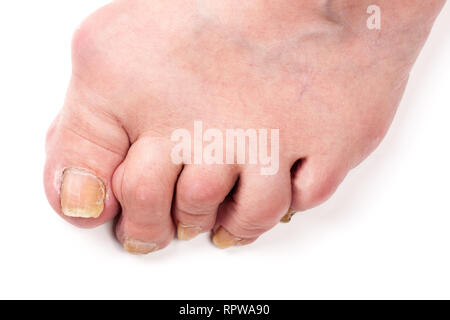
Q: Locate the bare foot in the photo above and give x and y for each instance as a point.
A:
(144, 69)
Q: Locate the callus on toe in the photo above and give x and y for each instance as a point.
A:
(82, 194)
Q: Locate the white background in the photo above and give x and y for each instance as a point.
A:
(385, 234)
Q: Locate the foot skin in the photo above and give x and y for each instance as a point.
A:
(143, 69)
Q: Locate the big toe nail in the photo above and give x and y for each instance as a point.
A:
(82, 194)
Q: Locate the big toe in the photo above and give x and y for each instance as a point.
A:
(84, 148)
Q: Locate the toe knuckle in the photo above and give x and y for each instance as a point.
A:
(201, 193)
(139, 193)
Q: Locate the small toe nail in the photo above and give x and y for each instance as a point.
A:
(223, 239)
(288, 216)
(185, 232)
(82, 194)
(244, 242)
(139, 247)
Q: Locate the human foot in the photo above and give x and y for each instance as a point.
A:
(143, 69)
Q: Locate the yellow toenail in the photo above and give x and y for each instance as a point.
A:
(223, 239)
(244, 242)
(288, 216)
(186, 232)
(139, 247)
(82, 194)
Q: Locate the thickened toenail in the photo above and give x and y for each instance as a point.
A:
(82, 194)
(139, 247)
(288, 216)
(186, 232)
(223, 239)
